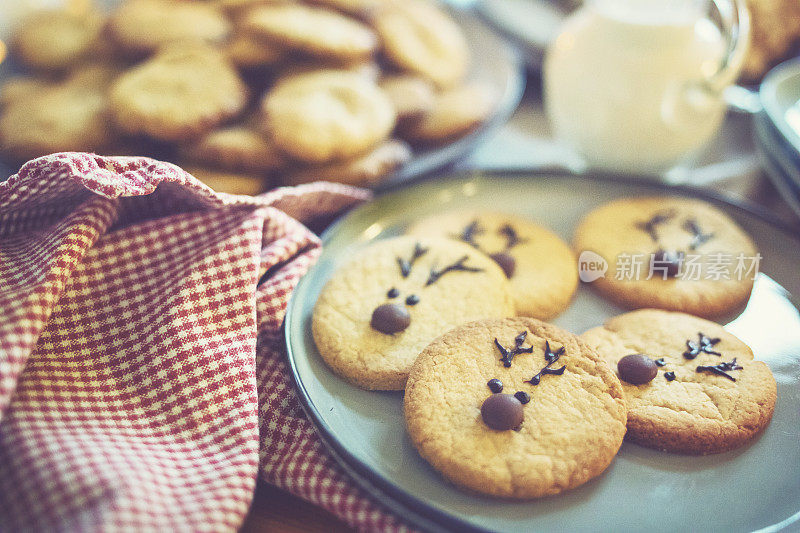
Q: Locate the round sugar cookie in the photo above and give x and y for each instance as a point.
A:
(170, 96)
(514, 408)
(327, 115)
(54, 40)
(697, 259)
(314, 31)
(380, 309)
(65, 116)
(691, 386)
(419, 37)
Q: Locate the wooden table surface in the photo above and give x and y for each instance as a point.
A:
(276, 510)
(729, 166)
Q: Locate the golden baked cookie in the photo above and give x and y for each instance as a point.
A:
(141, 26)
(66, 116)
(327, 115)
(229, 182)
(364, 171)
(455, 112)
(183, 91)
(314, 31)
(690, 386)
(381, 308)
(697, 259)
(514, 408)
(239, 148)
(56, 39)
(420, 38)
(412, 96)
(540, 266)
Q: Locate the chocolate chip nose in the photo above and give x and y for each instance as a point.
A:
(390, 318)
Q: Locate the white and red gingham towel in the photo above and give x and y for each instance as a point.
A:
(143, 384)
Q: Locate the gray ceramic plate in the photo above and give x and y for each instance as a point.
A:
(755, 487)
(494, 64)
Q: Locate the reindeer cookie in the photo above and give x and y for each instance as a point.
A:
(394, 297)
(540, 266)
(671, 253)
(691, 386)
(514, 408)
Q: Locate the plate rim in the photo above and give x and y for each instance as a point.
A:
(404, 504)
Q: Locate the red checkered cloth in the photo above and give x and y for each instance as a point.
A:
(143, 384)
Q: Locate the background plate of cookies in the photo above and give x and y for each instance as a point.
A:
(252, 94)
(476, 352)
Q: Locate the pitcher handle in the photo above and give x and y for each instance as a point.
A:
(736, 23)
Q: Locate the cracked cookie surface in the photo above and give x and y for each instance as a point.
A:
(573, 422)
(689, 411)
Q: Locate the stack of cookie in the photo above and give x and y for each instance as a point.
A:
(505, 404)
(244, 93)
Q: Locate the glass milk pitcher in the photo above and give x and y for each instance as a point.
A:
(637, 85)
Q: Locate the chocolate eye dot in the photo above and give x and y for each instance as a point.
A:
(522, 396)
(412, 300)
(495, 385)
(393, 293)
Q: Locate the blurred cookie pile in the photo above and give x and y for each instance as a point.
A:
(245, 94)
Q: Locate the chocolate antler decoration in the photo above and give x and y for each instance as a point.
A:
(651, 226)
(512, 238)
(551, 357)
(704, 345)
(469, 232)
(698, 237)
(507, 354)
(721, 369)
(407, 264)
(458, 266)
